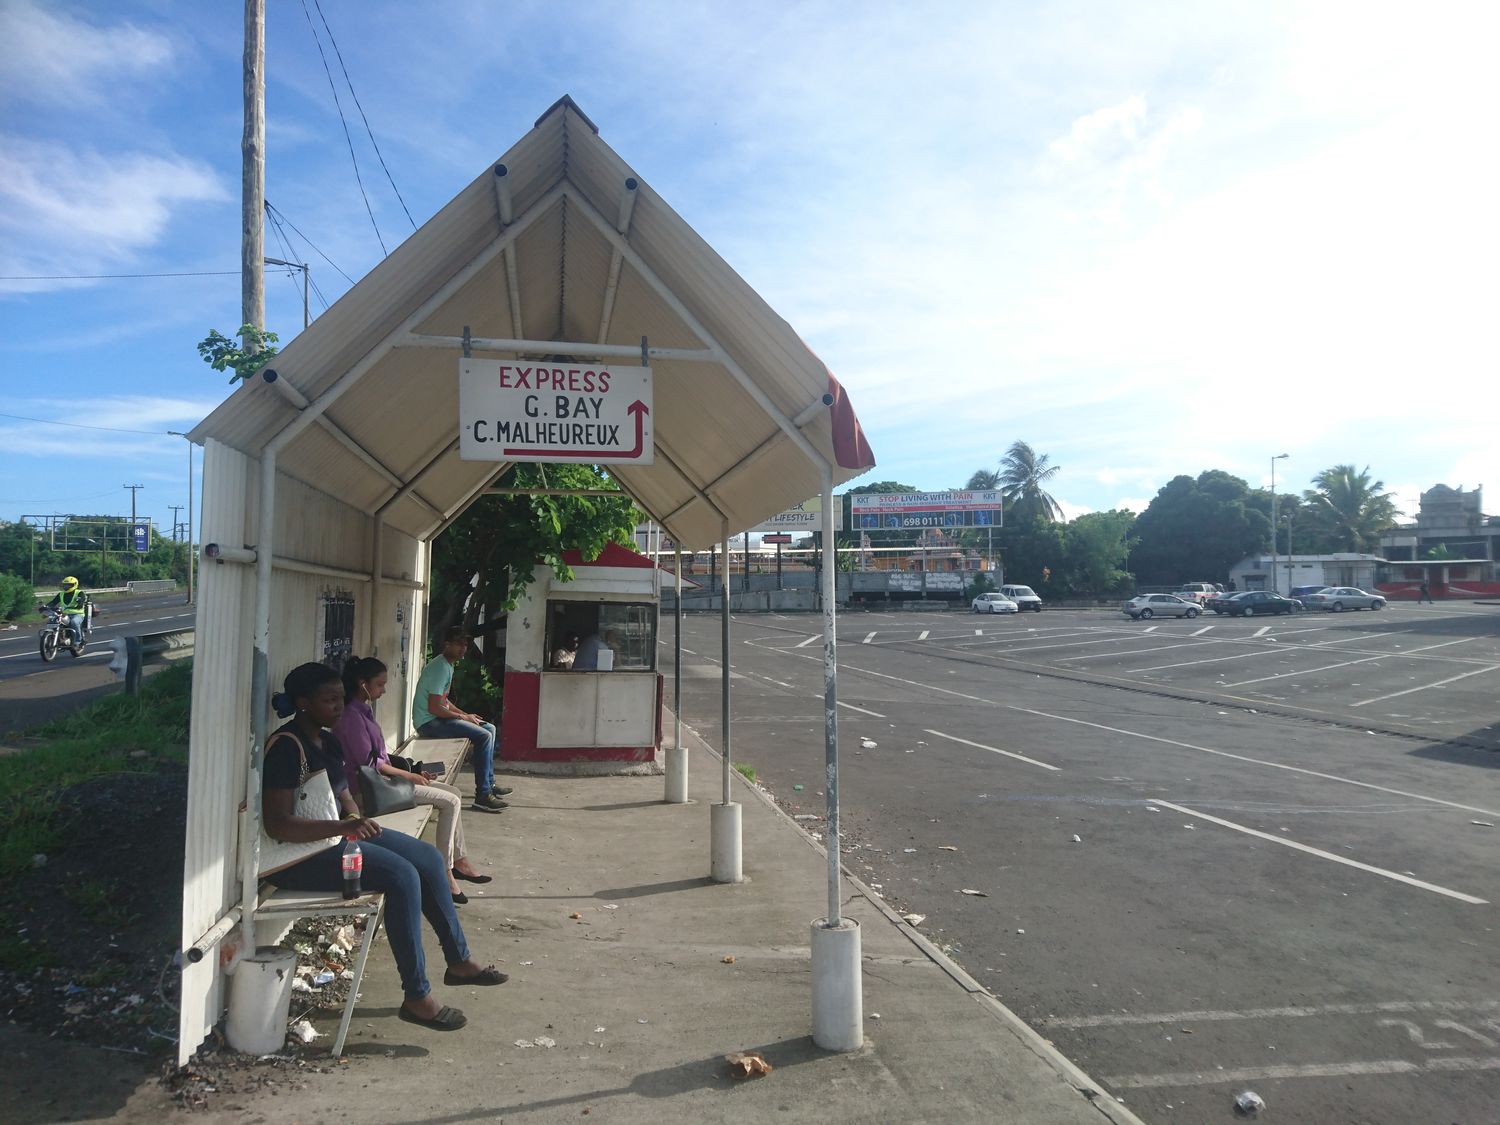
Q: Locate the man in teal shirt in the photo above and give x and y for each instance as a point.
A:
(435, 716)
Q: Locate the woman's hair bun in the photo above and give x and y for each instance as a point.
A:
(282, 704)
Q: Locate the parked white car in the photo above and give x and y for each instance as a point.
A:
(1159, 605)
(995, 602)
(1024, 596)
(1339, 598)
(1199, 592)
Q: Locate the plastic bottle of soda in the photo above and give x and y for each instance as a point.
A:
(354, 866)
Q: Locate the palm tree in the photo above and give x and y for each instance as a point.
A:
(1022, 474)
(1351, 508)
(983, 480)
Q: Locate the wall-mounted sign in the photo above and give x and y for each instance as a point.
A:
(895, 511)
(774, 537)
(806, 516)
(140, 537)
(577, 413)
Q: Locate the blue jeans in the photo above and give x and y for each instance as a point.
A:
(75, 624)
(414, 880)
(481, 735)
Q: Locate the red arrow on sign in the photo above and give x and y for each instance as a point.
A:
(638, 408)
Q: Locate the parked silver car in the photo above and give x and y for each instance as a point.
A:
(995, 602)
(1158, 605)
(1336, 599)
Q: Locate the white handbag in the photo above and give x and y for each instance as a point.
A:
(314, 800)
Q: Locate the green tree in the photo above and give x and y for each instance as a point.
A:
(1023, 472)
(223, 354)
(1096, 547)
(1349, 508)
(482, 563)
(983, 480)
(1196, 529)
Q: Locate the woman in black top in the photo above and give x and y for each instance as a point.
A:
(410, 873)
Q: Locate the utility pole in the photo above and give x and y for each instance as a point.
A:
(306, 313)
(175, 525)
(134, 488)
(253, 173)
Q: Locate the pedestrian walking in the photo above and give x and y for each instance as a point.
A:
(1424, 592)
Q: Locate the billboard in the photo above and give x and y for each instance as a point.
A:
(806, 516)
(899, 511)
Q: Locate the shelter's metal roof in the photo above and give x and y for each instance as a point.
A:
(720, 445)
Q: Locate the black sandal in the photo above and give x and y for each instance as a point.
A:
(447, 1019)
(490, 975)
(457, 874)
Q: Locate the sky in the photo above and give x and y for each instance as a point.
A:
(1147, 239)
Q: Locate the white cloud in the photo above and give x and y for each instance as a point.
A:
(115, 415)
(50, 57)
(70, 211)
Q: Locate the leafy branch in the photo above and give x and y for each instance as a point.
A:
(224, 354)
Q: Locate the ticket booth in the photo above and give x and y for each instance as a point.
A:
(581, 685)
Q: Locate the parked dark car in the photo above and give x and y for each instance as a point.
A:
(1254, 603)
(1221, 602)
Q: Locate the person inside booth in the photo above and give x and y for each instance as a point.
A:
(625, 629)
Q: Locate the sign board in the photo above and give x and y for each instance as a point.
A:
(140, 537)
(896, 511)
(776, 537)
(806, 516)
(522, 410)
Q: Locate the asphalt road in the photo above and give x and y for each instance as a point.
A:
(1284, 878)
(32, 691)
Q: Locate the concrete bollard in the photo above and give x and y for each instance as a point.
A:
(727, 861)
(260, 996)
(677, 775)
(838, 1010)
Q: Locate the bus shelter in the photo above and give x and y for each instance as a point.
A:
(327, 478)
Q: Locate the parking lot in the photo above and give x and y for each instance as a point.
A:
(1212, 854)
(1430, 670)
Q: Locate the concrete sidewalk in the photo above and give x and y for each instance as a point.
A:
(639, 1000)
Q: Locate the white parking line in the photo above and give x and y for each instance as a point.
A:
(979, 632)
(1246, 655)
(924, 634)
(868, 638)
(810, 640)
(1017, 643)
(1424, 687)
(861, 710)
(1232, 756)
(1243, 1074)
(1262, 631)
(1201, 631)
(1150, 629)
(1348, 663)
(1321, 854)
(1379, 1007)
(995, 750)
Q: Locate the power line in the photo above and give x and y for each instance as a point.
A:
(81, 426)
(369, 132)
(281, 218)
(113, 276)
(348, 140)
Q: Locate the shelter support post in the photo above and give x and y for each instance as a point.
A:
(726, 863)
(260, 699)
(677, 762)
(838, 991)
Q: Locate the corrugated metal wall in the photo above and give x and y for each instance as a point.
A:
(219, 743)
(311, 527)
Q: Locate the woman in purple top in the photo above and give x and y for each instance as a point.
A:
(363, 744)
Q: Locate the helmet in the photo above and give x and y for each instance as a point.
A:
(70, 583)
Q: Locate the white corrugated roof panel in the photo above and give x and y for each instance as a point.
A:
(713, 436)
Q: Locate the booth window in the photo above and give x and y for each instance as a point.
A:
(628, 628)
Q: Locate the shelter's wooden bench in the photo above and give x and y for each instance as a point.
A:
(279, 909)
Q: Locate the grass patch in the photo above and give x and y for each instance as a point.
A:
(113, 735)
(747, 772)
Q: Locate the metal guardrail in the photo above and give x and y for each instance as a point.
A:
(131, 654)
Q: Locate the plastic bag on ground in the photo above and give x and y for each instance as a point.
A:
(748, 1064)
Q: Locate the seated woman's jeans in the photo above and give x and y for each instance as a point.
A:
(414, 880)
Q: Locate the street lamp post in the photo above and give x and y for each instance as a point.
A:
(1275, 556)
(191, 558)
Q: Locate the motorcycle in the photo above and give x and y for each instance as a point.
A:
(55, 634)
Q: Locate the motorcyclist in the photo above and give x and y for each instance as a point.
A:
(73, 604)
